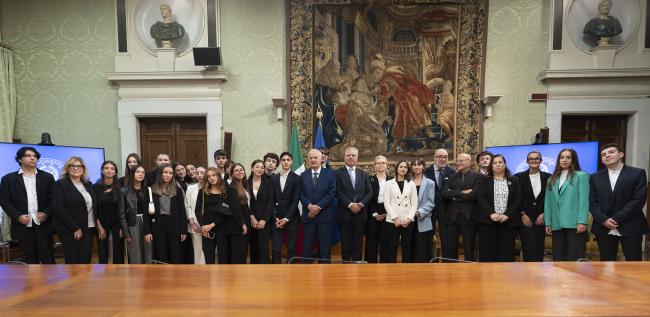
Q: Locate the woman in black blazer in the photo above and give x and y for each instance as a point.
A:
(376, 211)
(75, 212)
(110, 211)
(168, 227)
(260, 191)
(498, 216)
(222, 222)
(136, 204)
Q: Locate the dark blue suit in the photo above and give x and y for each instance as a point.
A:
(285, 206)
(323, 194)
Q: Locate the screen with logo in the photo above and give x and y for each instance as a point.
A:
(53, 158)
(516, 155)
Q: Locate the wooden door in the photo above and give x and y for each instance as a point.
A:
(184, 139)
(604, 129)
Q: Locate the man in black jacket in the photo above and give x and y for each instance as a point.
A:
(25, 196)
(286, 193)
(616, 198)
(459, 193)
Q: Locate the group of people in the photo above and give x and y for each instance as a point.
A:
(180, 213)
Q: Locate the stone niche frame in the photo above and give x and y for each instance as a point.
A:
(470, 78)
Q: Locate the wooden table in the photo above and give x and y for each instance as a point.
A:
(510, 289)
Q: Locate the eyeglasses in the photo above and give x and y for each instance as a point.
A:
(535, 159)
(75, 166)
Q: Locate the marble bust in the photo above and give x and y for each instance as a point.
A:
(603, 26)
(168, 29)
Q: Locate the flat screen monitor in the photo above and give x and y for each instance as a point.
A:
(516, 155)
(207, 56)
(53, 158)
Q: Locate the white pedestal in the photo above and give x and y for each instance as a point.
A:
(604, 56)
(166, 59)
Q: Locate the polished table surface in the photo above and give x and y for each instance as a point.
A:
(499, 289)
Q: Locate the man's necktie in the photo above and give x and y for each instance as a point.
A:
(314, 178)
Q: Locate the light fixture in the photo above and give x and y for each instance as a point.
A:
(279, 105)
(488, 103)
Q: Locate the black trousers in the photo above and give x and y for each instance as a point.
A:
(118, 245)
(209, 246)
(232, 247)
(532, 242)
(37, 245)
(78, 251)
(291, 229)
(259, 244)
(374, 232)
(188, 250)
(608, 247)
(568, 245)
(423, 245)
(466, 228)
(351, 240)
(497, 242)
(394, 236)
(166, 243)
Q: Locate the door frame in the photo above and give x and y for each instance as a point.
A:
(129, 112)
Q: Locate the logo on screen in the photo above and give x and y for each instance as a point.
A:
(548, 165)
(50, 165)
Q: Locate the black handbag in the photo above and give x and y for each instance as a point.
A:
(222, 208)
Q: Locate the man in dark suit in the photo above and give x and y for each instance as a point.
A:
(286, 193)
(617, 195)
(439, 172)
(318, 198)
(25, 196)
(533, 188)
(459, 193)
(353, 193)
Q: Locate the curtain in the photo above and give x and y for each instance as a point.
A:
(7, 95)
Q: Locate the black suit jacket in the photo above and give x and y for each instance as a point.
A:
(374, 206)
(430, 173)
(177, 213)
(457, 203)
(69, 206)
(530, 205)
(286, 202)
(486, 202)
(13, 199)
(624, 204)
(346, 194)
(233, 223)
(262, 207)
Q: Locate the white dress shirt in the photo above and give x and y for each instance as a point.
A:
(89, 202)
(536, 183)
(32, 198)
(613, 178)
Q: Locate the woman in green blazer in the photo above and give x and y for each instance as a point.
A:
(566, 207)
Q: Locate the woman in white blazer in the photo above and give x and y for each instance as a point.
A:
(192, 224)
(401, 203)
(423, 235)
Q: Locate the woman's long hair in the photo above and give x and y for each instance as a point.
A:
(160, 187)
(221, 185)
(507, 173)
(408, 175)
(114, 186)
(127, 171)
(575, 166)
(240, 186)
(130, 184)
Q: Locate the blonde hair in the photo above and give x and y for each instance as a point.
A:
(205, 185)
(70, 162)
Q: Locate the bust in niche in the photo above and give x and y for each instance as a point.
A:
(168, 29)
(603, 26)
